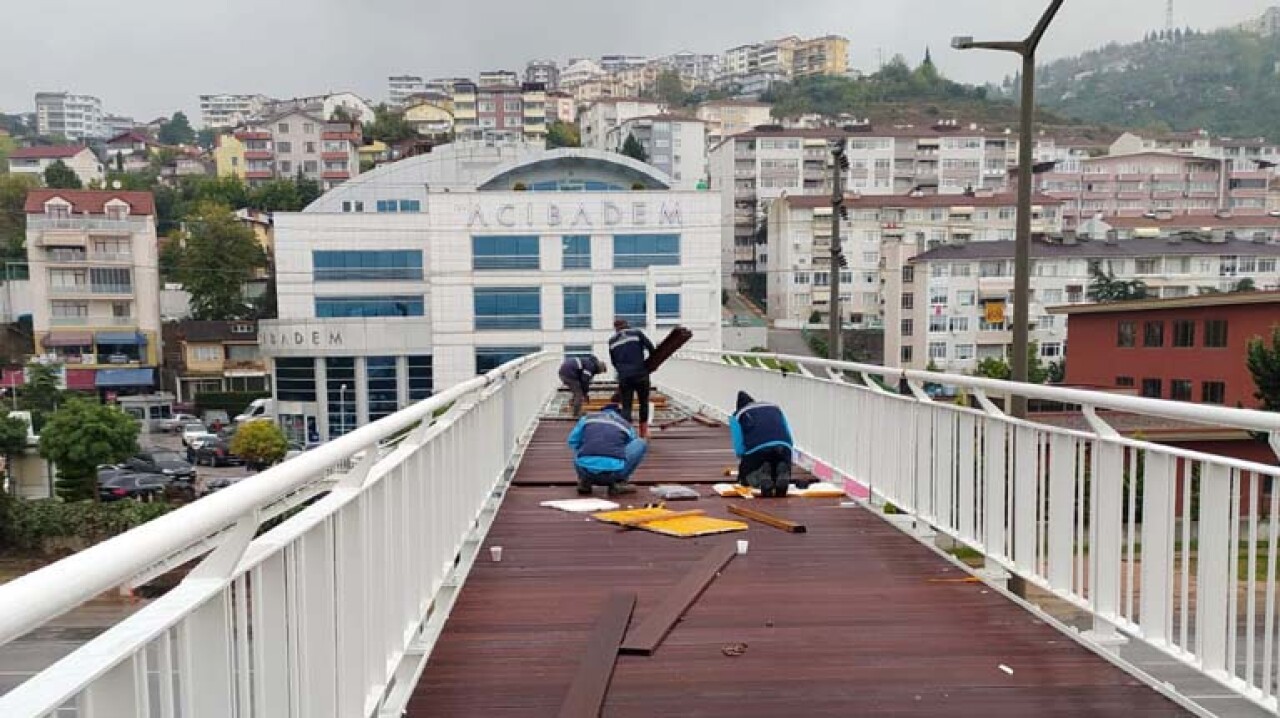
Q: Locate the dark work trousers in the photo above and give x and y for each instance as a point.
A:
(773, 462)
(635, 389)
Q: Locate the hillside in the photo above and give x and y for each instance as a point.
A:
(1225, 82)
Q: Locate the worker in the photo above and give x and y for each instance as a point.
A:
(606, 451)
(628, 350)
(577, 373)
(762, 442)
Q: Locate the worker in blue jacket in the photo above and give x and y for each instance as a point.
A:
(606, 451)
(762, 441)
(628, 350)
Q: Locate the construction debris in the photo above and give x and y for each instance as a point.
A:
(681, 524)
(580, 506)
(734, 650)
(674, 492)
(768, 519)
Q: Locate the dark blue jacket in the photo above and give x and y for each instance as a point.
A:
(599, 441)
(580, 370)
(758, 425)
(627, 350)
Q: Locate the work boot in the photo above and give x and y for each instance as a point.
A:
(644, 430)
(621, 488)
(584, 487)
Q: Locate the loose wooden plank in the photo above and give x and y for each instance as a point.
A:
(678, 337)
(768, 519)
(645, 638)
(591, 683)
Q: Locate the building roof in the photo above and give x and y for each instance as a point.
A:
(131, 137)
(854, 201)
(1138, 247)
(1226, 299)
(91, 201)
(735, 103)
(1193, 222)
(667, 117)
(47, 152)
(578, 162)
(215, 331)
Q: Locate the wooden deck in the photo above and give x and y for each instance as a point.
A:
(848, 619)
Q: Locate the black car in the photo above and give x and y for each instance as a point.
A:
(216, 453)
(118, 485)
(167, 463)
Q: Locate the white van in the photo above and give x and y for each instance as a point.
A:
(257, 409)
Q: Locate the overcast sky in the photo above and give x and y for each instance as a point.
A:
(149, 57)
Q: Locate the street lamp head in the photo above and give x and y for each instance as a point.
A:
(964, 42)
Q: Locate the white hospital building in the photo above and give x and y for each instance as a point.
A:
(390, 287)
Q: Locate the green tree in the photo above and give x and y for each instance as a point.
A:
(670, 88)
(59, 176)
(1104, 287)
(633, 149)
(389, 126)
(563, 134)
(41, 394)
(998, 368)
(1263, 360)
(280, 195)
(7, 145)
(82, 435)
(1245, 285)
(13, 218)
(206, 138)
(993, 368)
(177, 131)
(218, 256)
(13, 440)
(309, 191)
(259, 443)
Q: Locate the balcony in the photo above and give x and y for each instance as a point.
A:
(258, 155)
(93, 321)
(259, 174)
(335, 155)
(335, 175)
(45, 223)
(244, 367)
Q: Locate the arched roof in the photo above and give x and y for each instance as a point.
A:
(576, 164)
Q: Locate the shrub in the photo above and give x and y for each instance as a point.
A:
(51, 526)
(259, 443)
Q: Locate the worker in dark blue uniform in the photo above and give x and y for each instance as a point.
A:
(606, 451)
(762, 441)
(577, 373)
(628, 350)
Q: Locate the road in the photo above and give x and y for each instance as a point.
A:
(788, 341)
(172, 442)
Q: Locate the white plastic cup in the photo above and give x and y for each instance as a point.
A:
(742, 547)
(495, 553)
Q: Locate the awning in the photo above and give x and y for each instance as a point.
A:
(68, 339)
(82, 379)
(124, 377)
(120, 338)
(14, 377)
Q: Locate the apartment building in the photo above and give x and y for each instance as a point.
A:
(698, 69)
(675, 144)
(561, 107)
(786, 57)
(207, 356)
(827, 55)
(355, 107)
(452, 284)
(514, 109)
(498, 78)
(95, 285)
(429, 119)
(75, 117)
(580, 70)
(543, 72)
(225, 111)
(961, 293)
(879, 238)
(292, 144)
(596, 121)
(402, 87)
(726, 118)
(229, 158)
(35, 160)
(113, 125)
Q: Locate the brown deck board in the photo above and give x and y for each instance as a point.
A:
(839, 621)
(591, 684)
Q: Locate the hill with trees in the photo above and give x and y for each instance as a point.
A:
(1226, 82)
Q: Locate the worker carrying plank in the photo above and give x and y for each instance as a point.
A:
(628, 350)
(606, 451)
(577, 374)
(762, 441)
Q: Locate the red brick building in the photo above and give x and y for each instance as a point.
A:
(1185, 349)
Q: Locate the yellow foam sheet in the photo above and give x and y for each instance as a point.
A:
(680, 526)
(817, 490)
(629, 515)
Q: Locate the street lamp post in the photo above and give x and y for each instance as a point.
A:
(1022, 251)
(342, 410)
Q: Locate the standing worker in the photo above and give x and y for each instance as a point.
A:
(628, 350)
(762, 441)
(577, 373)
(606, 451)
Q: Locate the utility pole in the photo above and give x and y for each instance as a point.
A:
(839, 164)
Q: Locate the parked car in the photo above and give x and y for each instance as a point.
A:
(192, 429)
(221, 482)
(176, 422)
(120, 485)
(216, 452)
(168, 463)
(215, 417)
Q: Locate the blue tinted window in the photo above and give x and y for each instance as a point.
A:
(577, 251)
(421, 377)
(381, 386)
(388, 205)
(354, 266)
(410, 205)
(408, 305)
(508, 308)
(575, 186)
(296, 379)
(629, 304)
(577, 350)
(490, 358)
(667, 306)
(340, 375)
(632, 251)
(504, 252)
(577, 307)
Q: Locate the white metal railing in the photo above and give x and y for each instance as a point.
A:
(1173, 547)
(329, 614)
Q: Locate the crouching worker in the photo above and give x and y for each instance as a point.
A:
(606, 451)
(762, 442)
(577, 374)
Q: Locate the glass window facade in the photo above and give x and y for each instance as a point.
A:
(340, 390)
(508, 308)
(381, 387)
(355, 266)
(295, 379)
(408, 305)
(490, 358)
(629, 304)
(398, 205)
(577, 251)
(667, 306)
(577, 307)
(421, 377)
(577, 350)
(632, 251)
(575, 186)
(504, 252)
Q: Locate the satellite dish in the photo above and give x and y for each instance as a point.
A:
(115, 184)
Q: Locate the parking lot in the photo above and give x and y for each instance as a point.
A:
(173, 442)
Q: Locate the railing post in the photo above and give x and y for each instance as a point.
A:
(1214, 553)
(1107, 547)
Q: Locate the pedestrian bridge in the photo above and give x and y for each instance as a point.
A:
(346, 582)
